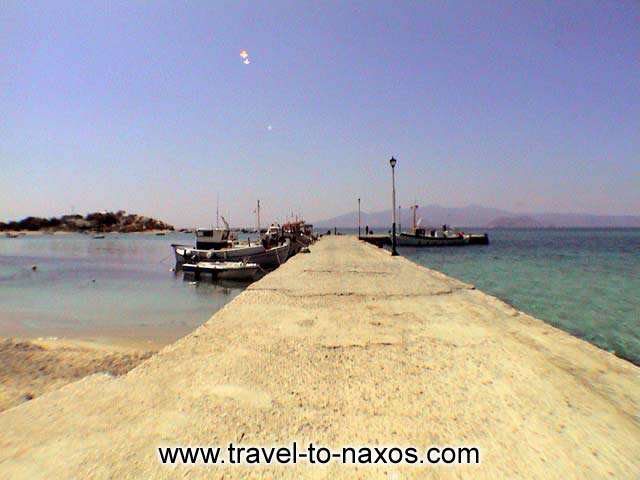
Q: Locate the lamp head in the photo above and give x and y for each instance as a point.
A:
(392, 162)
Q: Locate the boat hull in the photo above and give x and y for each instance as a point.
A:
(478, 239)
(264, 257)
(236, 271)
(404, 240)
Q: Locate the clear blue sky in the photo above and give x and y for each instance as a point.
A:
(147, 106)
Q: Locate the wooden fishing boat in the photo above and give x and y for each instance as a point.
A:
(446, 236)
(266, 257)
(421, 238)
(218, 245)
(237, 271)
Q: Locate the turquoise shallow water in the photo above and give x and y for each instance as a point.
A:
(120, 286)
(584, 281)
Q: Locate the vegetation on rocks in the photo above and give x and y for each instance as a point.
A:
(119, 221)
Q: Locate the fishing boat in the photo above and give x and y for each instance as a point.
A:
(218, 244)
(478, 238)
(214, 238)
(237, 271)
(300, 234)
(420, 237)
(446, 236)
(265, 256)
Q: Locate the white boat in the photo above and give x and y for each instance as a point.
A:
(430, 237)
(264, 256)
(219, 245)
(429, 240)
(214, 238)
(238, 271)
(421, 237)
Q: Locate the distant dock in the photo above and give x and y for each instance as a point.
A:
(345, 346)
(382, 240)
(377, 240)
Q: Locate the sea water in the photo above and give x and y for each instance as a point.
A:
(584, 281)
(119, 286)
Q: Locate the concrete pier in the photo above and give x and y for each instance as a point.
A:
(346, 346)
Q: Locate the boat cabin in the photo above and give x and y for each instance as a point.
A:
(216, 238)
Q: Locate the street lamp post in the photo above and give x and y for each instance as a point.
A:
(359, 219)
(392, 162)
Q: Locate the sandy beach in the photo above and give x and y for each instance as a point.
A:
(30, 368)
(346, 346)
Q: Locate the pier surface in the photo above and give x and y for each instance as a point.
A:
(347, 346)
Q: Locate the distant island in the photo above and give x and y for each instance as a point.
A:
(514, 222)
(477, 216)
(104, 222)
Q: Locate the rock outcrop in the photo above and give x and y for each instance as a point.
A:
(119, 221)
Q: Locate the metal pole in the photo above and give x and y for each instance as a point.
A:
(359, 218)
(399, 218)
(258, 212)
(394, 252)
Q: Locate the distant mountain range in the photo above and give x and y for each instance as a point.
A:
(515, 222)
(478, 216)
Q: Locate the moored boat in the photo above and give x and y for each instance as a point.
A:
(219, 245)
(272, 249)
(263, 256)
(300, 234)
(214, 238)
(420, 237)
(446, 236)
(238, 271)
(478, 238)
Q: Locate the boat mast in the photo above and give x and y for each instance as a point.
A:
(258, 214)
(217, 210)
(415, 209)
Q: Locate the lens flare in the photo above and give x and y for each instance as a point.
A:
(244, 54)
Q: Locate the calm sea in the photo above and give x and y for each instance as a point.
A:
(584, 281)
(117, 287)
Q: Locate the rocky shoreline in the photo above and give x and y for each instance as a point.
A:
(119, 222)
